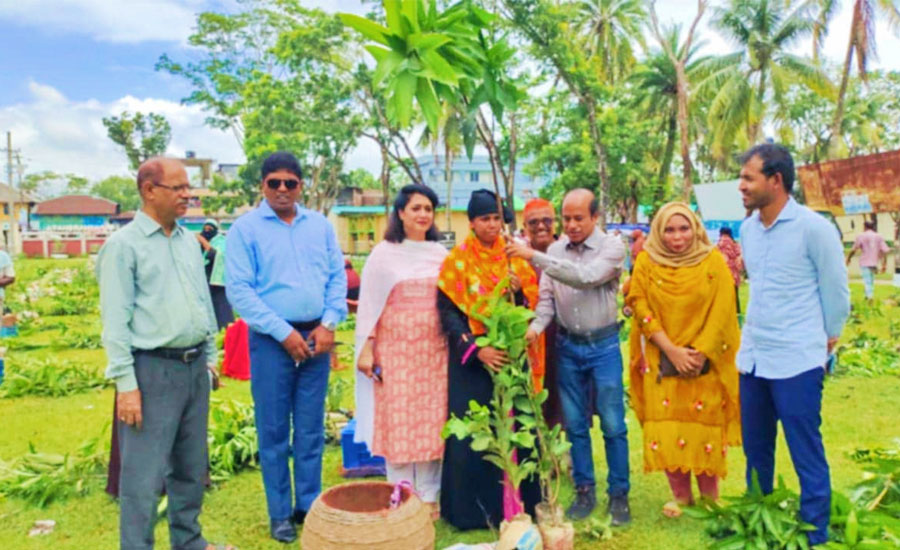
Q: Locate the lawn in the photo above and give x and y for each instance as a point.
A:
(858, 412)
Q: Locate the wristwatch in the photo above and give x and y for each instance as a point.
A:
(329, 325)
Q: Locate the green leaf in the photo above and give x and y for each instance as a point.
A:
(404, 87)
(427, 41)
(852, 530)
(437, 68)
(410, 11)
(392, 15)
(428, 101)
(389, 62)
(366, 27)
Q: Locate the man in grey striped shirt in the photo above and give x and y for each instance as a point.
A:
(578, 286)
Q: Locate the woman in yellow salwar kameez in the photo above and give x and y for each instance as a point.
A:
(682, 295)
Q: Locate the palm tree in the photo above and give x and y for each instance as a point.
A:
(678, 56)
(743, 85)
(657, 81)
(450, 138)
(861, 45)
(611, 28)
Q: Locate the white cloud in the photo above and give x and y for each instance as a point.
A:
(118, 21)
(55, 133)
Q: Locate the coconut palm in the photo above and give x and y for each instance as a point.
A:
(861, 46)
(611, 29)
(657, 83)
(745, 85)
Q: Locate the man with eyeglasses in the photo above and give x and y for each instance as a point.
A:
(579, 282)
(159, 335)
(284, 274)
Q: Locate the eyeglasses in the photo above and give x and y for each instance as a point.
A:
(276, 184)
(176, 188)
(534, 222)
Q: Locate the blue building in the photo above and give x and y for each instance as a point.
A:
(469, 175)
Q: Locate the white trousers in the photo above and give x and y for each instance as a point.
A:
(425, 477)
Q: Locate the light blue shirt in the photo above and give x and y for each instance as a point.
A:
(6, 270)
(798, 292)
(275, 272)
(153, 294)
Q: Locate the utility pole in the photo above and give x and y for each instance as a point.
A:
(12, 236)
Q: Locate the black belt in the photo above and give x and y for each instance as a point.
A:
(185, 355)
(601, 333)
(305, 325)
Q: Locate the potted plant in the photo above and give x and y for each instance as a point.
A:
(515, 418)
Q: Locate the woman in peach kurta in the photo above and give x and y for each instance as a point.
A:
(682, 295)
(401, 353)
(411, 400)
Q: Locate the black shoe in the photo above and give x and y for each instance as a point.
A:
(299, 517)
(283, 530)
(585, 501)
(619, 510)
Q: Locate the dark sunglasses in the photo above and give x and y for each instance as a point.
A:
(276, 183)
(534, 222)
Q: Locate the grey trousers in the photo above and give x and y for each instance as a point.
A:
(169, 449)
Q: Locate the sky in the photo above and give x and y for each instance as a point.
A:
(69, 63)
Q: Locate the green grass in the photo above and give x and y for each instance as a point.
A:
(858, 412)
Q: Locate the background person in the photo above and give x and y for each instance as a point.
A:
(7, 277)
(872, 248)
(285, 277)
(731, 250)
(539, 219)
(401, 411)
(213, 244)
(682, 295)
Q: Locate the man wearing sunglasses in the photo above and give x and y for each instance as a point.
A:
(159, 334)
(285, 276)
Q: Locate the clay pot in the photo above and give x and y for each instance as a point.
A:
(357, 516)
(556, 533)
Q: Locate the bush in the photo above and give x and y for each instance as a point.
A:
(50, 378)
(41, 478)
(232, 439)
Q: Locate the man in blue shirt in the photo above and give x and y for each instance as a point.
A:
(799, 302)
(285, 276)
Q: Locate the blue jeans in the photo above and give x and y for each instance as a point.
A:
(797, 402)
(579, 367)
(868, 277)
(282, 392)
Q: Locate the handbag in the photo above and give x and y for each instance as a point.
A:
(667, 368)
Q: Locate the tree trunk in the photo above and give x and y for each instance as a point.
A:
(753, 129)
(600, 153)
(836, 134)
(683, 123)
(386, 180)
(511, 172)
(666, 165)
(448, 179)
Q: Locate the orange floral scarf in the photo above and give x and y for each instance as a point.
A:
(472, 270)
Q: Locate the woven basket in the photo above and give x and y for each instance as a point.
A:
(357, 516)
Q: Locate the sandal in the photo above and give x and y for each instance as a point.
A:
(672, 509)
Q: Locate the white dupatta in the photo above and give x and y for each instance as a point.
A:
(387, 265)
